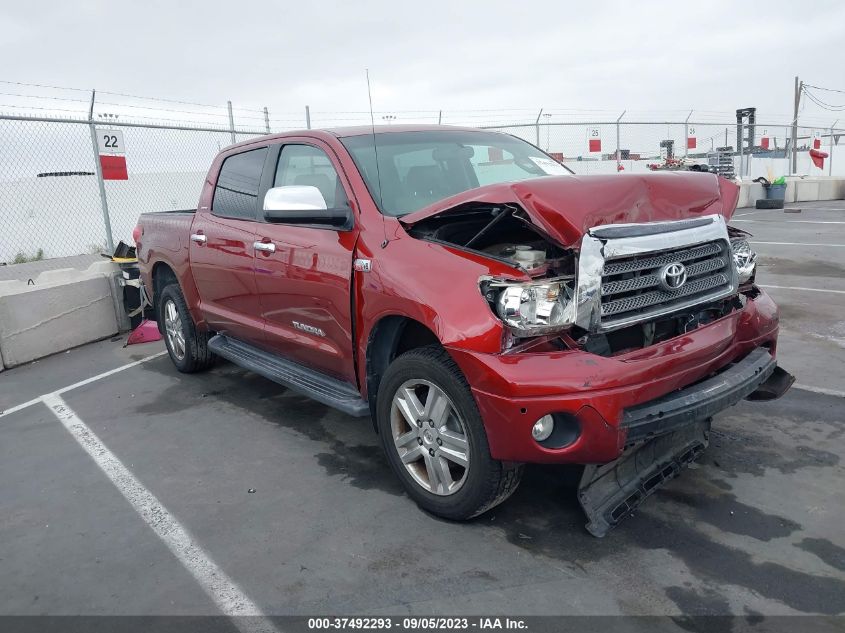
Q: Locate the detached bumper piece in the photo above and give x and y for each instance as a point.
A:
(667, 434)
(610, 492)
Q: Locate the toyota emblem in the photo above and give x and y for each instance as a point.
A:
(672, 276)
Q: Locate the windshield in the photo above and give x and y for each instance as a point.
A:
(416, 169)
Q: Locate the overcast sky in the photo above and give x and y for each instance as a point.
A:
(481, 55)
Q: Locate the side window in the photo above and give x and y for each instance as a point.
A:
(307, 165)
(236, 193)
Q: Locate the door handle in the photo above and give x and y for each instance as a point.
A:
(199, 238)
(265, 247)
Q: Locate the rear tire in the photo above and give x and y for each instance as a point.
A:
(187, 347)
(769, 204)
(434, 437)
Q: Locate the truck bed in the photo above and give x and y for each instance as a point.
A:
(167, 230)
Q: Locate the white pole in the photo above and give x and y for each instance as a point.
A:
(232, 123)
(618, 135)
(99, 169)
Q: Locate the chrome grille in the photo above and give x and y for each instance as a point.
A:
(630, 286)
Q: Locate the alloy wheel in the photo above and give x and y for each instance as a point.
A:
(173, 329)
(430, 437)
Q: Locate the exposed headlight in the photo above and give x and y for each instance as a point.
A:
(534, 308)
(745, 259)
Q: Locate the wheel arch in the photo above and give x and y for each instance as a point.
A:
(391, 336)
(162, 273)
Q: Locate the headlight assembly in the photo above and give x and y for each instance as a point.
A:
(533, 308)
(745, 259)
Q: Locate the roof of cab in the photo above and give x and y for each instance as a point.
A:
(358, 130)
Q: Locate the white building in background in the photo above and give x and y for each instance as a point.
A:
(62, 214)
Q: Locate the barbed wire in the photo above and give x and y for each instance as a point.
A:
(490, 116)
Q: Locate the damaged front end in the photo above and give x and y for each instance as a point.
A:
(619, 289)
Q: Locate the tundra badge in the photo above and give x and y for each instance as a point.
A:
(308, 328)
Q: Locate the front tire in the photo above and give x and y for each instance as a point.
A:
(434, 438)
(187, 347)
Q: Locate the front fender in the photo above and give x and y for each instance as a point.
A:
(433, 284)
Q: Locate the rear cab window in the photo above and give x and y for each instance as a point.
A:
(236, 191)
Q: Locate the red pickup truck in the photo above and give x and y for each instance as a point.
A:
(486, 307)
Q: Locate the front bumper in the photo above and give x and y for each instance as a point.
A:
(620, 400)
(699, 401)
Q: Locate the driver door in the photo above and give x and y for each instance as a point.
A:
(304, 274)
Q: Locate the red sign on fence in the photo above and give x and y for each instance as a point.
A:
(113, 167)
(112, 154)
(594, 139)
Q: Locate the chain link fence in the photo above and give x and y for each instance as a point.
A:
(50, 197)
(52, 205)
(640, 146)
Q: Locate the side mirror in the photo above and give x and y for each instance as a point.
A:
(302, 204)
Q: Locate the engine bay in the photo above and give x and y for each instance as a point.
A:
(501, 232)
(504, 233)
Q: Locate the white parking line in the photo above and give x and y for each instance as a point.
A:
(821, 390)
(228, 597)
(739, 215)
(82, 383)
(793, 221)
(836, 292)
(796, 244)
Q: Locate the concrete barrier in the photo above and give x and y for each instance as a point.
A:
(58, 310)
(798, 189)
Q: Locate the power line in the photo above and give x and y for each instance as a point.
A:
(822, 104)
(825, 89)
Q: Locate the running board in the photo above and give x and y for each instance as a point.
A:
(610, 492)
(303, 380)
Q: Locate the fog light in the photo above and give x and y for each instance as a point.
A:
(543, 428)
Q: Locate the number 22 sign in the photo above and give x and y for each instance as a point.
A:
(110, 141)
(112, 154)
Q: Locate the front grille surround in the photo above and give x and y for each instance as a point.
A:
(618, 282)
(631, 285)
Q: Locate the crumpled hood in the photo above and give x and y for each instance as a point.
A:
(566, 207)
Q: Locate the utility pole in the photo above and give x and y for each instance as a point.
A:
(799, 86)
(266, 120)
(308, 117)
